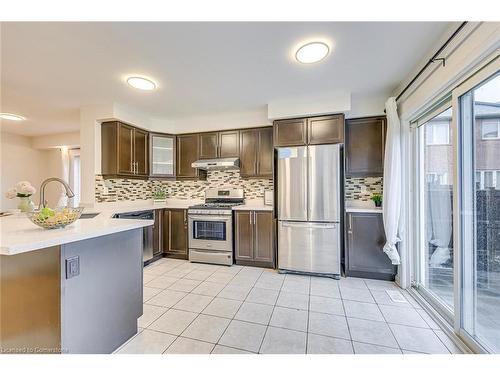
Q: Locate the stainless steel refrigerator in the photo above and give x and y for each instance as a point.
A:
(309, 209)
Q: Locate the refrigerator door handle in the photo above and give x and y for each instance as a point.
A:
(309, 225)
(306, 167)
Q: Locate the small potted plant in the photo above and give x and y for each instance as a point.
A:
(159, 196)
(377, 199)
(23, 190)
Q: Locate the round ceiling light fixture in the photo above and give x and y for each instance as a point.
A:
(141, 83)
(312, 52)
(11, 117)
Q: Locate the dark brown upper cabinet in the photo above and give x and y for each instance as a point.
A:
(229, 144)
(162, 155)
(292, 132)
(209, 145)
(256, 152)
(187, 150)
(325, 129)
(141, 152)
(313, 131)
(365, 146)
(220, 144)
(124, 150)
(265, 152)
(254, 240)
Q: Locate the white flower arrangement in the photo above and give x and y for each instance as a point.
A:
(22, 189)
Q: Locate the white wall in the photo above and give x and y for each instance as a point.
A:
(367, 105)
(90, 148)
(475, 43)
(219, 121)
(70, 140)
(320, 104)
(20, 162)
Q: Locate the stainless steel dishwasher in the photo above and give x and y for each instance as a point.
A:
(147, 236)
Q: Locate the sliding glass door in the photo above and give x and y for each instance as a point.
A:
(435, 201)
(457, 208)
(479, 124)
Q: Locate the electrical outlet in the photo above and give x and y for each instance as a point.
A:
(72, 267)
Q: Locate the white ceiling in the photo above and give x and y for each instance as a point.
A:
(49, 70)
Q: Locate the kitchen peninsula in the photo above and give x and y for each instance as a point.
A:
(71, 290)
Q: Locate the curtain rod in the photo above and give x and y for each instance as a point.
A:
(433, 59)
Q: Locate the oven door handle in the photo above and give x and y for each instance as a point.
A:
(209, 218)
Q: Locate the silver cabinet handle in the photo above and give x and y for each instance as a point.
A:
(251, 216)
(254, 217)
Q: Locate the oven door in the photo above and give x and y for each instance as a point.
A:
(210, 232)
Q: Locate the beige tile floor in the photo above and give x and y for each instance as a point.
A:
(199, 308)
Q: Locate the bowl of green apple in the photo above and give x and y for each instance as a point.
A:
(49, 218)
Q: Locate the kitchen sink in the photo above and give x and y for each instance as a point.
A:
(89, 216)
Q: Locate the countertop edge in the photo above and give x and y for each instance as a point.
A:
(66, 238)
(374, 210)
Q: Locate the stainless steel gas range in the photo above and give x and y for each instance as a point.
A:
(211, 226)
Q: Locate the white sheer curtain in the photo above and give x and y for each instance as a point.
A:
(442, 223)
(392, 182)
(63, 199)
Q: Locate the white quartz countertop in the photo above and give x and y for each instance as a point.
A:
(377, 210)
(253, 205)
(19, 235)
(109, 209)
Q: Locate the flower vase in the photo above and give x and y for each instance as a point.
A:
(26, 204)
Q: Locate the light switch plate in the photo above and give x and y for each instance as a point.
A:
(72, 267)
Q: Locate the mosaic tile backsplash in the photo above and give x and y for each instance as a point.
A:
(114, 190)
(363, 188)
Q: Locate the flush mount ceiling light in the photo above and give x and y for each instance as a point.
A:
(141, 83)
(312, 52)
(11, 117)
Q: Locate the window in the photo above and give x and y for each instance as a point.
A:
(487, 179)
(479, 277)
(437, 133)
(490, 129)
(434, 277)
(74, 175)
(437, 178)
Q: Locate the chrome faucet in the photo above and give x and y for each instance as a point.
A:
(69, 192)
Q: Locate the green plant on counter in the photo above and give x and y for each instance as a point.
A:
(377, 199)
(159, 194)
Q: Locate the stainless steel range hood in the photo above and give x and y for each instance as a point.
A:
(214, 164)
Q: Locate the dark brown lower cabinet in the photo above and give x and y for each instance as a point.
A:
(365, 239)
(175, 233)
(254, 239)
